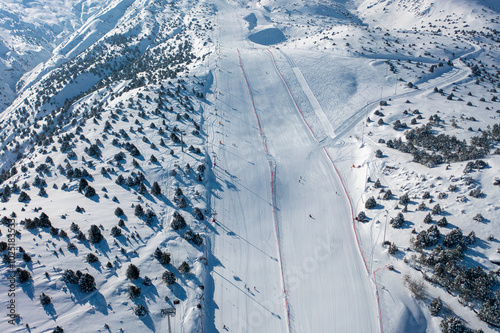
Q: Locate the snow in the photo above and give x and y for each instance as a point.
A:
(283, 240)
(288, 148)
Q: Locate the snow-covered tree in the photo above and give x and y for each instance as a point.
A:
(95, 235)
(132, 272)
(155, 189)
(398, 221)
(370, 203)
(435, 306)
(168, 277)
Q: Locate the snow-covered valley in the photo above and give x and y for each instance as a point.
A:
(269, 166)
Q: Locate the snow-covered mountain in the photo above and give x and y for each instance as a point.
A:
(29, 32)
(252, 166)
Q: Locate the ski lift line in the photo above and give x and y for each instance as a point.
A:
(275, 218)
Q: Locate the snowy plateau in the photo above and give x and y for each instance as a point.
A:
(249, 166)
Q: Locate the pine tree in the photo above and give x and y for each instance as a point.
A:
(23, 275)
(139, 211)
(168, 277)
(453, 325)
(393, 249)
(178, 221)
(435, 306)
(87, 283)
(436, 210)
(45, 299)
(95, 235)
(115, 231)
(184, 267)
(404, 199)
(443, 222)
(89, 191)
(398, 221)
(370, 203)
(23, 197)
(134, 291)
(155, 189)
(133, 272)
(490, 312)
(140, 310)
(119, 211)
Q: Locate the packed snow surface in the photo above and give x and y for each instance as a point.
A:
(267, 126)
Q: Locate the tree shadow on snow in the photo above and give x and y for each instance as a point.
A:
(50, 310)
(148, 322)
(178, 291)
(103, 246)
(29, 289)
(95, 298)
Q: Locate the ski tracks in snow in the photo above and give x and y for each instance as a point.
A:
(272, 167)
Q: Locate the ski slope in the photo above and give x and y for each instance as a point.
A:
(275, 267)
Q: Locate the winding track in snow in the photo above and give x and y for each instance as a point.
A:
(313, 302)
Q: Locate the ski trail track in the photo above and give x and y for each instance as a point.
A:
(276, 268)
(273, 194)
(327, 284)
(285, 255)
(247, 289)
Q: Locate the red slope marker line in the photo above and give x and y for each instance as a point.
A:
(293, 98)
(272, 195)
(253, 105)
(341, 181)
(378, 296)
(351, 207)
(328, 155)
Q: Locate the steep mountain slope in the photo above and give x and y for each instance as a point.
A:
(106, 140)
(29, 32)
(272, 165)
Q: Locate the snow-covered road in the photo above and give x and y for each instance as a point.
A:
(290, 263)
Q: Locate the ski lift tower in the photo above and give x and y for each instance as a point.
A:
(168, 312)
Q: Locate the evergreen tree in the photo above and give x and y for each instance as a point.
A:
(168, 277)
(178, 221)
(140, 310)
(134, 291)
(370, 203)
(95, 235)
(393, 249)
(155, 189)
(87, 283)
(184, 267)
(139, 211)
(435, 306)
(45, 299)
(398, 221)
(436, 210)
(404, 199)
(133, 272)
(119, 211)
